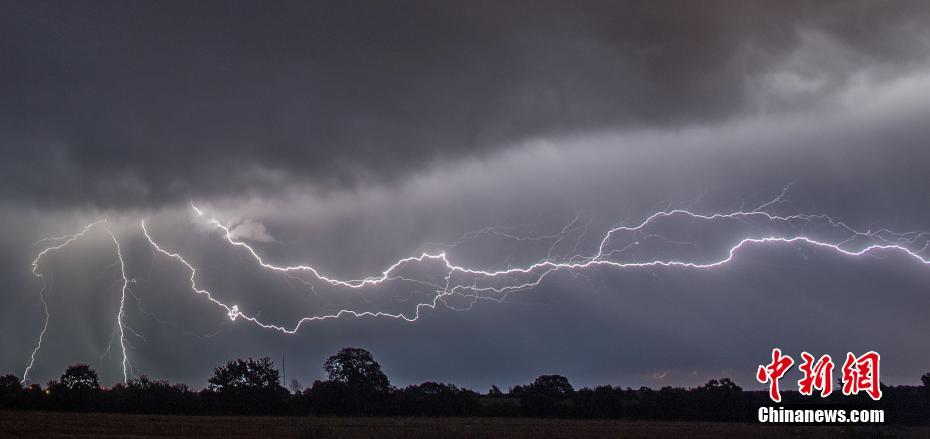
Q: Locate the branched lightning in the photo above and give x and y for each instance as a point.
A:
(475, 284)
(65, 240)
(496, 284)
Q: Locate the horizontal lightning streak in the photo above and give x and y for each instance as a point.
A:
(540, 270)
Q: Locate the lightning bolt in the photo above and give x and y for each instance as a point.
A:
(527, 277)
(64, 241)
(474, 284)
(122, 305)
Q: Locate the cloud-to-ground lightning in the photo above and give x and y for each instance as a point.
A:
(122, 305)
(64, 241)
(476, 284)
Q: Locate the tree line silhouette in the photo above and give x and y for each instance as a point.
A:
(356, 385)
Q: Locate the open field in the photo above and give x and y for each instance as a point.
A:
(76, 425)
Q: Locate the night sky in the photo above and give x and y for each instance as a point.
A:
(346, 136)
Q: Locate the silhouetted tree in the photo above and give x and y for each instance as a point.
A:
(356, 385)
(356, 368)
(10, 384)
(78, 389)
(925, 380)
(143, 383)
(145, 395)
(718, 399)
(606, 402)
(497, 403)
(80, 377)
(245, 374)
(549, 395)
(555, 385)
(245, 386)
(437, 399)
(32, 398)
(721, 385)
(10, 390)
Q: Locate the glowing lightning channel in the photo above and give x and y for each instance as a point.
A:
(540, 270)
(65, 240)
(122, 305)
(234, 313)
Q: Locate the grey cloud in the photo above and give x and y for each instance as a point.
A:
(860, 161)
(251, 230)
(146, 103)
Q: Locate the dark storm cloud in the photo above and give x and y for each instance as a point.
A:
(145, 103)
(349, 135)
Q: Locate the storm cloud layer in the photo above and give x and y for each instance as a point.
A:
(148, 103)
(348, 135)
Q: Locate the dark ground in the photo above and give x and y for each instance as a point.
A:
(81, 425)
